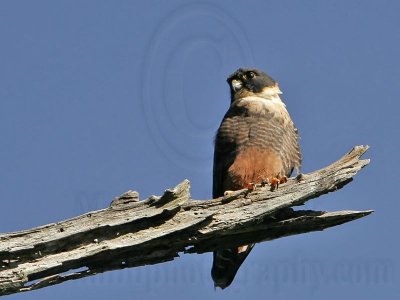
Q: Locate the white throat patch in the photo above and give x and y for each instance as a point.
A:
(270, 94)
(266, 101)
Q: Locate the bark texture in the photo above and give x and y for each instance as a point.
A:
(131, 233)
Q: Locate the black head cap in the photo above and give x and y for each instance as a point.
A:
(248, 81)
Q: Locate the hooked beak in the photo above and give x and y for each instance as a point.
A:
(236, 84)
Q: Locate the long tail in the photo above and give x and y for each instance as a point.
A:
(226, 263)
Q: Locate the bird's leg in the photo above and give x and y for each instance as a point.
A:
(264, 182)
(283, 179)
(274, 182)
(251, 186)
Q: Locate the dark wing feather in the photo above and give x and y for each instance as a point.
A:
(232, 133)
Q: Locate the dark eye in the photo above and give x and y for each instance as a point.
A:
(251, 75)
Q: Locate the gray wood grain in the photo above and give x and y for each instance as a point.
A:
(131, 233)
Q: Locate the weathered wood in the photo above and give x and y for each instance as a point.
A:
(133, 233)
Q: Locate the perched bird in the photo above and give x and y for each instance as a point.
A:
(256, 142)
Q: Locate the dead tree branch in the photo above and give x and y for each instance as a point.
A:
(133, 233)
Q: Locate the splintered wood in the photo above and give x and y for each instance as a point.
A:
(131, 233)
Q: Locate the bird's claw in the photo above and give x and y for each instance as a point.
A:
(274, 182)
(251, 186)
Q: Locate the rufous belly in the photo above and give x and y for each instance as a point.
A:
(252, 165)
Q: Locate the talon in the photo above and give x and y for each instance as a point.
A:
(251, 186)
(274, 183)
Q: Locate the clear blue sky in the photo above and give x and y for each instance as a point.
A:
(99, 97)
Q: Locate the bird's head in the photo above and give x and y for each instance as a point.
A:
(251, 82)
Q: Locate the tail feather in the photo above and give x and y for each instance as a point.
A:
(226, 263)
